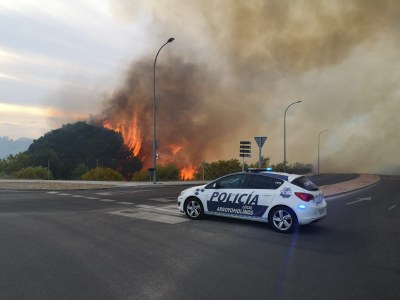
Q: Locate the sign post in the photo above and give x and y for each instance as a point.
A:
(260, 140)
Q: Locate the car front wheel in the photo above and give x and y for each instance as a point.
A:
(193, 208)
(283, 219)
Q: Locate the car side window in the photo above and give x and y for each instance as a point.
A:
(277, 183)
(260, 182)
(230, 182)
(263, 182)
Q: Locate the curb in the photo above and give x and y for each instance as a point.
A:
(363, 181)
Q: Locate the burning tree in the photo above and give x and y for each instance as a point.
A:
(129, 112)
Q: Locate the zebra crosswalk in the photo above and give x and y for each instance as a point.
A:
(161, 210)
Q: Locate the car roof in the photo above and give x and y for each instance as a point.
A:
(277, 175)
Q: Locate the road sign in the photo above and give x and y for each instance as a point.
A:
(245, 149)
(260, 140)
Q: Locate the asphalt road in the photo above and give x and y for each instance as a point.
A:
(130, 243)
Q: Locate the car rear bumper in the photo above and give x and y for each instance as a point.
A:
(311, 214)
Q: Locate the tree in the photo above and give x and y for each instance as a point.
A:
(82, 143)
(79, 171)
(220, 168)
(264, 163)
(296, 168)
(15, 163)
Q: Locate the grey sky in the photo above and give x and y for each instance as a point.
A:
(63, 60)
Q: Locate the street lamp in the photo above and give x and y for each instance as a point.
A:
(154, 113)
(284, 136)
(318, 144)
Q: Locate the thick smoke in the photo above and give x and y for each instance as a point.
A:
(184, 120)
(238, 64)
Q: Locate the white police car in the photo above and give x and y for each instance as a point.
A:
(283, 200)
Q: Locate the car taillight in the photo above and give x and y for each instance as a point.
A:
(304, 196)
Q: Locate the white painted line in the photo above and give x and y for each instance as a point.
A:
(77, 196)
(145, 206)
(167, 208)
(52, 192)
(161, 200)
(150, 216)
(64, 194)
(107, 200)
(393, 206)
(104, 194)
(174, 211)
(125, 203)
(92, 198)
(130, 191)
(359, 200)
(173, 206)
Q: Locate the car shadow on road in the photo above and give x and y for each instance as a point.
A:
(310, 229)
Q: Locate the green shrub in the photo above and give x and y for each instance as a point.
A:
(33, 173)
(79, 171)
(141, 176)
(103, 174)
(167, 173)
(164, 173)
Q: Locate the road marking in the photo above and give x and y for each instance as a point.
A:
(145, 206)
(161, 200)
(150, 216)
(104, 194)
(107, 200)
(52, 192)
(130, 191)
(174, 211)
(77, 196)
(393, 206)
(64, 194)
(359, 200)
(125, 203)
(167, 208)
(92, 198)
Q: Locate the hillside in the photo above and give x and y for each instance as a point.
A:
(9, 146)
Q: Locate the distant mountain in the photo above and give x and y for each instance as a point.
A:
(9, 146)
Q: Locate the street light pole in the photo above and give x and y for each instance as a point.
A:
(284, 135)
(154, 113)
(318, 144)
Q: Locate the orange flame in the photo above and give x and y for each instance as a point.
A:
(188, 172)
(132, 135)
(175, 149)
(133, 139)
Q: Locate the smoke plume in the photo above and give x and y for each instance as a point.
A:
(236, 65)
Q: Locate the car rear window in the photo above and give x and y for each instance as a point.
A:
(305, 183)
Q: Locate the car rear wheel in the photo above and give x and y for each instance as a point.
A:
(193, 208)
(283, 219)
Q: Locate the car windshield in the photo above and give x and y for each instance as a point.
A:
(305, 183)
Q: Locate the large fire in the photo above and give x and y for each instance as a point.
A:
(130, 134)
(187, 173)
(133, 138)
